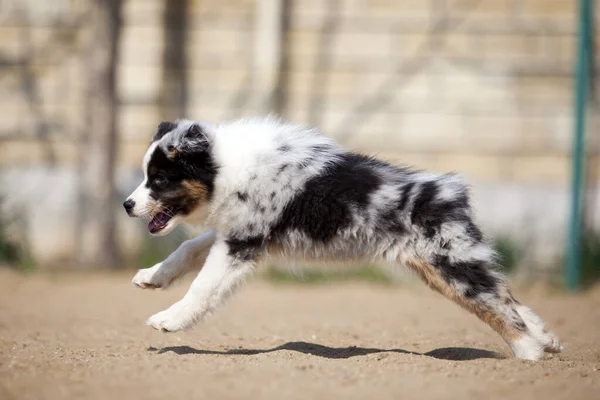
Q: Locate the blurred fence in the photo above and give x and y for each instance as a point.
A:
(480, 87)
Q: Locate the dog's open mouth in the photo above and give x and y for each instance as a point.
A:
(159, 222)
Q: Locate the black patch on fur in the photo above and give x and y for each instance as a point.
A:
(321, 148)
(262, 209)
(194, 131)
(282, 168)
(323, 208)
(429, 213)
(245, 249)
(421, 214)
(520, 325)
(405, 196)
(242, 196)
(163, 128)
(397, 227)
(473, 231)
(474, 274)
(389, 220)
(200, 164)
(194, 141)
(513, 298)
(273, 194)
(518, 321)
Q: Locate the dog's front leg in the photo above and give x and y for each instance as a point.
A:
(225, 269)
(191, 253)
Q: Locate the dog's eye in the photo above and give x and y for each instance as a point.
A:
(160, 180)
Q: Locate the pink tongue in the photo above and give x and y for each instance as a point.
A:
(158, 222)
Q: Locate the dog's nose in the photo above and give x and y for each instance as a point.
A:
(129, 204)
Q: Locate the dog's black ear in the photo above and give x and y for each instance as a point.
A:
(194, 132)
(194, 140)
(189, 143)
(163, 128)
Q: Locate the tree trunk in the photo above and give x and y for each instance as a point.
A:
(173, 91)
(96, 217)
(269, 21)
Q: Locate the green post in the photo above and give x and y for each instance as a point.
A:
(582, 74)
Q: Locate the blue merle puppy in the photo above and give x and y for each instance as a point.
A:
(266, 187)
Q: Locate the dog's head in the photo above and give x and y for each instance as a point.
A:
(179, 173)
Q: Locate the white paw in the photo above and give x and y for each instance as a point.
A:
(547, 339)
(176, 318)
(527, 348)
(150, 278)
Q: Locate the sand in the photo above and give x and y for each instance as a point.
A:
(81, 336)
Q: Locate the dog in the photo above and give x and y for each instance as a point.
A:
(264, 186)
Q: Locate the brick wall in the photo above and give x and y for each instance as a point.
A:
(480, 87)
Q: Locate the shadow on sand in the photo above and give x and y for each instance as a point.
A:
(447, 353)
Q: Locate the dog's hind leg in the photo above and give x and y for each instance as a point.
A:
(461, 270)
(189, 255)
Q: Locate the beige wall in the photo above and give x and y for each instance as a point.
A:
(485, 90)
(488, 90)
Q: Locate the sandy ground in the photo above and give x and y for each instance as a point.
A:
(83, 337)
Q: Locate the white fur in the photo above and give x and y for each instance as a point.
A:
(546, 338)
(141, 195)
(527, 348)
(191, 253)
(217, 280)
(247, 148)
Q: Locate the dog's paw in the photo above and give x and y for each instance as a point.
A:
(552, 343)
(176, 318)
(150, 278)
(547, 339)
(527, 348)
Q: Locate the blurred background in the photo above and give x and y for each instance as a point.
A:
(484, 88)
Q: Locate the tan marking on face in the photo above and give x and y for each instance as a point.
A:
(434, 280)
(195, 190)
